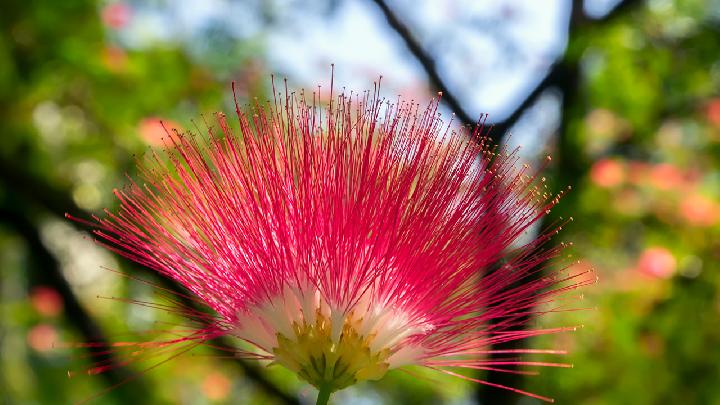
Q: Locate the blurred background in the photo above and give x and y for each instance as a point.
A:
(625, 96)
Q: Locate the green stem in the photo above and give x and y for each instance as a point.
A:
(323, 395)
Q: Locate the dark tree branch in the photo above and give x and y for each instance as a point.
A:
(250, 369)
(427, 62)
(563, 74)
(58, 202)
(32, 188)
(551, 79)
(46, 270)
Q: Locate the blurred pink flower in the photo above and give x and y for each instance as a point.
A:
(657, 262)
(158, 132)
(345, 242)
(42, 337)
(116, 15)
(46, 301)
(607, 173)
(699, 210)
(216, 386)
(666, 176)
(712, 112)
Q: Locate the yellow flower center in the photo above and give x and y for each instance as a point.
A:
(312, 354)
(329, 347)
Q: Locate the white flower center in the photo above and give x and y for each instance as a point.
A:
(327, 346)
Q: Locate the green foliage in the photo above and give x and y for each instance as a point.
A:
(648, 200)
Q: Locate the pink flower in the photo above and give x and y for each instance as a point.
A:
(666, 176)
(152, 130)
(699, 210)
(713, 112)
(216, 386)
(46, 301)
(42, 337)
(657, 262)
(607, 173)
(348, 241)
(116, 15)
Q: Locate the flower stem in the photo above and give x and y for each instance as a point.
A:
(323, 395)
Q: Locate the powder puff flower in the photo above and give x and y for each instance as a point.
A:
(345, 241)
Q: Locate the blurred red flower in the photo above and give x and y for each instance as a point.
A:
(42, 337)
(158, 132)
(699, 210)
(607, 173)
(46, 301)
(666, 176)
(657, 262)
(712, 112)
(116, 15)
(216, 386)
